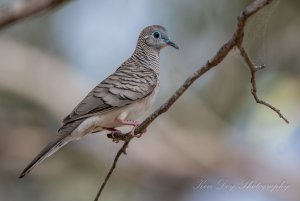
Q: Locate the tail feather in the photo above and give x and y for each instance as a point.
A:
(51, 148)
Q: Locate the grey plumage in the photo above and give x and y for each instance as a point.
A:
(119, 99)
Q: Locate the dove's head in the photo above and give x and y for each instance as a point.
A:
(157, 37)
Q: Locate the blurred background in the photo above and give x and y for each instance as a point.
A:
(214, 144)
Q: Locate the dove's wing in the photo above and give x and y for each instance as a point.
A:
(124, 87)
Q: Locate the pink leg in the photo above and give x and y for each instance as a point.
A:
(131, 123)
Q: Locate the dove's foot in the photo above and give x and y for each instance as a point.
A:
(135, 134)
(133, 123)
(138, 135)
(115, 135)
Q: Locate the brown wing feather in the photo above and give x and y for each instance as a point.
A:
(122, 88)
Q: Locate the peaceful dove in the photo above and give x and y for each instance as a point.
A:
(120, 99)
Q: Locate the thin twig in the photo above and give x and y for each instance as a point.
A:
(121, 150)
(20, 10)
(236, 40)
(253, 69)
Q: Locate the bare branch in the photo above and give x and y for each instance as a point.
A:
(236, 40)
(253, 69)
(121, 150)
(22, 9)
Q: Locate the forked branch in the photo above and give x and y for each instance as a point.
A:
(253, 69)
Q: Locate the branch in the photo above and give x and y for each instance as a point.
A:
(236, 40)
(23, 9)
(121, 150)
(253, 69)
(250, 10)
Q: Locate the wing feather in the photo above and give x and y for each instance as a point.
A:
(122, 88)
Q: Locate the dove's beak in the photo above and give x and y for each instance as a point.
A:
(171, 43)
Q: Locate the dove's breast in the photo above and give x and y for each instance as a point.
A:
(138, 109)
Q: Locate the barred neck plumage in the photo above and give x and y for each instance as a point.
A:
(146, 55)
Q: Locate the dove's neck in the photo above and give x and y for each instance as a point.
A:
(147, 56)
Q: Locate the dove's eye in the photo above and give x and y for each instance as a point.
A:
(156, 34)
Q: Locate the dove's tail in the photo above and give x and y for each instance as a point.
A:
(51, 148)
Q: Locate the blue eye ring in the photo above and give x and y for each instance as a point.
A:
(156, 35)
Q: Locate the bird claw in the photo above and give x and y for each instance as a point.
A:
(137, 135)
(115, 136)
